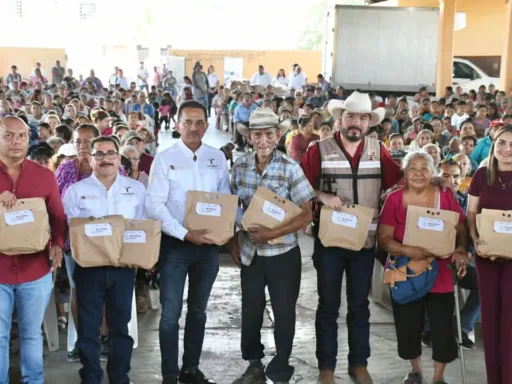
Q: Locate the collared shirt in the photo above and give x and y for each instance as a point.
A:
(311, 164)
(147, 108)
(89, 197)
(213, 80)
(33, 181)
(242, 113)
(297, 81)
(262, 80)
(284, 177)
(174, 172)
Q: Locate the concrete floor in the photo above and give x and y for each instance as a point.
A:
(221, 358)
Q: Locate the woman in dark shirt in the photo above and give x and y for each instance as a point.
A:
(491, 188)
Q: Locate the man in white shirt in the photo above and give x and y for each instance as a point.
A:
(142, 78)
(297, 79)
(105, 193)
(261, 77)
(187, 165)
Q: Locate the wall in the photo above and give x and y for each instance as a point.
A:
(485, 23)
(310, 61)
(25, 59)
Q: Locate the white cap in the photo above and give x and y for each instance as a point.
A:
(67, 150)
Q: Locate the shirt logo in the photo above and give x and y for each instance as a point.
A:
(127, 193)
(212, 165)
(333, 155)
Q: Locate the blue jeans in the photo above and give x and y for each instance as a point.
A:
(331, 263)
(31, 300)
(113, 287)
(177, 260)
(203, 100)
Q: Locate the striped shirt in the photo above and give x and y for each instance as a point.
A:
(284, 177)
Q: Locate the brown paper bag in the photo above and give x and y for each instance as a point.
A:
(495, 232)
(213, 211)
(269, 210)
(432, 229)
(141, 243)
(97, 242)
(347, 228)
(25, 228)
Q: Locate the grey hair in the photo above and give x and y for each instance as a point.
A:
(431, 146)
(55, 140)
(414, 155)
(128, 148)
(414, 107)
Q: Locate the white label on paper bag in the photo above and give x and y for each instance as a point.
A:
(431, 224)
(274, 211)
(19, 217)
(207, 209)
(345, 219)
(502, 227)
(135, 237)
(98, 230)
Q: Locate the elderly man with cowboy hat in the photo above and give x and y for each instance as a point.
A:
(347, 167)
(277, 266)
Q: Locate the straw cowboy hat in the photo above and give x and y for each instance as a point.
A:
(263, 118)
(357, 103)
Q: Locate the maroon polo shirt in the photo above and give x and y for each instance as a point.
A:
(145, 162)
(33, 181)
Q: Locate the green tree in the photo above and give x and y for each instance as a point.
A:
(312, 36)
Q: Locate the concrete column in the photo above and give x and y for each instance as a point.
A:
(506, 57)
(445, 45)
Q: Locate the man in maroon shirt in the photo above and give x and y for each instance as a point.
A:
(134, 139)
(26, 280)
(351, 168)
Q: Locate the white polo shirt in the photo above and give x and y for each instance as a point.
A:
(261, 80)
(297, 81)
(89, 197)
(173, 173)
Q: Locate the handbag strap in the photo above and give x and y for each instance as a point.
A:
(427, 267)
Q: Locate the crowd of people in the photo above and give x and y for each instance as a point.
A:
(91, 150)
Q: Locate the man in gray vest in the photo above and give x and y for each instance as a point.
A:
(351, 168)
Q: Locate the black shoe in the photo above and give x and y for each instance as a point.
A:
(194, 377)
(467, 343)
(74, 355)
(426, 339)
(104, 348)
(170, 380)
(253, 375)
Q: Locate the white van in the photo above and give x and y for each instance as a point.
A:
(469, 76)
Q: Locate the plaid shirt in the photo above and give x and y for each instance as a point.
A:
(284, 177)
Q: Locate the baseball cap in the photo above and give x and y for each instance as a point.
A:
(67, 150)
(496, 122)
(132, 135)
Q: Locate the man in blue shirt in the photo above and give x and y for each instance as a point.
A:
(242, 113)
(143, 106)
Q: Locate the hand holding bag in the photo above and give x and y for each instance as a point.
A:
(494, 228)
(25, 228)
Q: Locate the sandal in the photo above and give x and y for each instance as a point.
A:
(142, 305)
(413, 378)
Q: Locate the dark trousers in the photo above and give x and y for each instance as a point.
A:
(178, 260)
(239, 139)
(495, 287)
(331, 263)
(282, 275)
(210, 99)
(113, 287)
(409, 319)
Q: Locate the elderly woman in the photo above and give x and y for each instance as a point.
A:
(299, 143)
(439, 302)
(132, 154)
(491, 188)
(434, 152)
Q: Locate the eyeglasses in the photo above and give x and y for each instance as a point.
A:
(110, 155)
